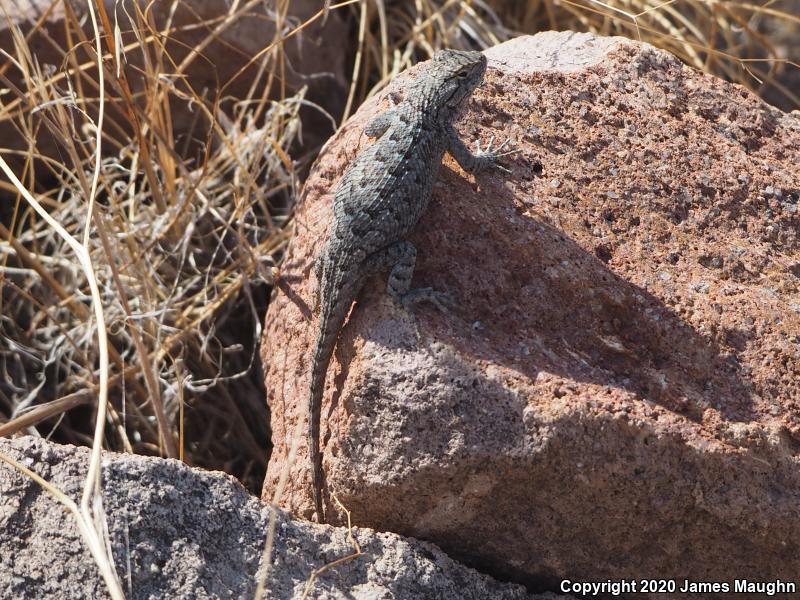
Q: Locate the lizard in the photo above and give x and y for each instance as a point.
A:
(379, 200)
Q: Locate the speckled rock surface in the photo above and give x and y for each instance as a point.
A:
(617, 392)
(178, 532)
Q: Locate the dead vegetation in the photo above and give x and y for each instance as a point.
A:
(185, 206)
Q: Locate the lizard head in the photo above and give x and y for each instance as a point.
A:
(454, 75)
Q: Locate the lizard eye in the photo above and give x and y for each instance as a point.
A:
(463, 73)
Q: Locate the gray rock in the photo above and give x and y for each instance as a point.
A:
(178, 532)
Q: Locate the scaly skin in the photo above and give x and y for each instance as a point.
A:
(377, 203)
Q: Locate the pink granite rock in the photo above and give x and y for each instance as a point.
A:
(616, 394)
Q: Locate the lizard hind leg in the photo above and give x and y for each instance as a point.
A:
(401, 258)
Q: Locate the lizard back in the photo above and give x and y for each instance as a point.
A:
(379, 200)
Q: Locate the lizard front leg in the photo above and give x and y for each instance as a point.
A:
(380, 124)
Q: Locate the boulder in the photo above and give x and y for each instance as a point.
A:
(177, 532)
(617, 392)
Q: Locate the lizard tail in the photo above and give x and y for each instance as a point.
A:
(332, 316)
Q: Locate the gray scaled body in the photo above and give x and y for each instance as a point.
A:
(379, 200)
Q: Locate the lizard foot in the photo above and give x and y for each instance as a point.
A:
(489, 155)
(440, 300)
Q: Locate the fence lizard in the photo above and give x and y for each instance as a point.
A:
(379, 200)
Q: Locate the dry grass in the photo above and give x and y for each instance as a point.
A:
(752, 43)
(190, 220)
(183, 241)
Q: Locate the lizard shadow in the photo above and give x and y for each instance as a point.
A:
(532, 299)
